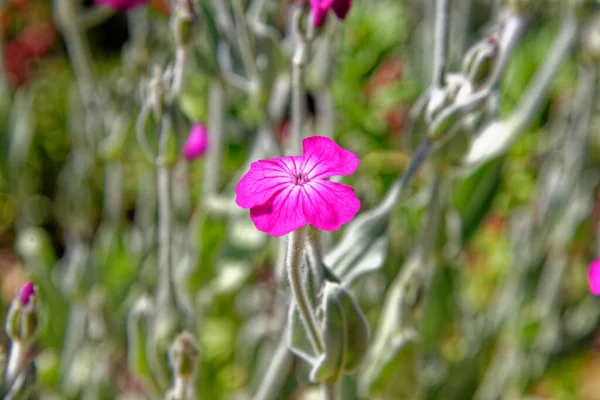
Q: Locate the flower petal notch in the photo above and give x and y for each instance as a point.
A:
(196, 143)
(284, 194)
(594, 277)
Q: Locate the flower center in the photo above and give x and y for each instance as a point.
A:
(299, 178)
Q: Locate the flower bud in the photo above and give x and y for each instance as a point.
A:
(22, 320)
(185, 22)
(345, 333)
(197, 142)
(480, 61)
(183, 355)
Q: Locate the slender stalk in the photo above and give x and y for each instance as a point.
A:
(295, 257)
(165, 290)
(440, 50)
(299, 60)
(278, 369)
(16, 361)
(214, 155)
(330, 391)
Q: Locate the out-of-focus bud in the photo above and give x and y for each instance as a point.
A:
(183, 355)
(185, 23)
(345, 333)
(522, 7)
(480, 61)
(22, 321)
(196, 143)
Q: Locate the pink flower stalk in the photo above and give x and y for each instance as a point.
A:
(27, 291)
(320, 8)
(594, 277)
(121, 5)
(284, 194)
(197, 142)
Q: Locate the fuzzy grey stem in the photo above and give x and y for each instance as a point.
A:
(440, 51)
(181, 57)
(298, 95)
(113, 186)
(277, 371)
(331, 390)
(165, 291)
(16, 361)
(295, 257)
(214, 155)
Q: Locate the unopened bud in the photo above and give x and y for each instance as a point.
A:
(480, 61)
(183, 355)
(22, 320)
(345, 334)
(185, 23)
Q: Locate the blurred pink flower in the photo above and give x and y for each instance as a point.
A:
(197, 142)
(594, 277)
(284, 194)
(121, 5)
(27, 291)
(320, 8)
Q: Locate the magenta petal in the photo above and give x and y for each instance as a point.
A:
(27, 291)
(329, 205)
(323, 158)
(341, 8)
(264, 180)
(319, 9)
(594, 277)
(196, 143)
(283, 215)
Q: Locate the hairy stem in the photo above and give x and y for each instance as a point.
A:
(295, 257)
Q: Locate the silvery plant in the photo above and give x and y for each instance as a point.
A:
(208, 173)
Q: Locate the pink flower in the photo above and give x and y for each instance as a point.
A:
(320, 8)
(197, 142)
(121, 5)
(27, 291)
(284, 194)
(594, 277)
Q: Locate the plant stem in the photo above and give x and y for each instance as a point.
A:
(295, 257)
(440, 52)
(330, 390)
(298, 94)
(214, 155)
(165, 291)
(278, 369)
